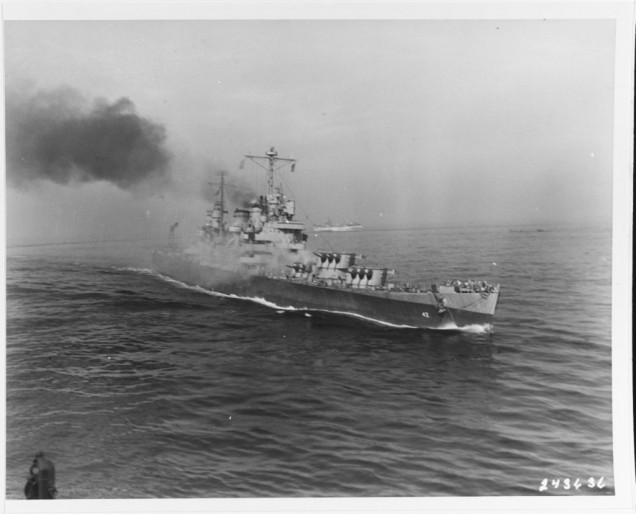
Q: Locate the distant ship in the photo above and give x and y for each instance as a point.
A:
(342, 227)
(262, 255)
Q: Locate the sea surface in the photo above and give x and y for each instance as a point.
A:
(136, 386)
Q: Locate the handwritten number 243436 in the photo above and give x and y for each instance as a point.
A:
(566, 483)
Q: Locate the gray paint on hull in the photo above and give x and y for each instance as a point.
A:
(422, 312)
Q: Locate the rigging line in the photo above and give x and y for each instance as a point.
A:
(287, 186)
(441, 303)
(299, 204)
(252, 177)
(323, 238)
(253, 158)
(258, 164)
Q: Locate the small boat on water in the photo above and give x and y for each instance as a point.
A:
(262, 255)
(341, 227)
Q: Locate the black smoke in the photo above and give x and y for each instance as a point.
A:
(57, 136)
(244, 197)
(238, 193)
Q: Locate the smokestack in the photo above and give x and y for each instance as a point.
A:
(53, 136)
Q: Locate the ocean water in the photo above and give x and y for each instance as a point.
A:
(140, 387)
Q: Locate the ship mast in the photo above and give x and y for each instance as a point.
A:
(222, 202)
(272, 158)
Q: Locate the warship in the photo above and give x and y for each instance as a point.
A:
(340, 227)
(261, 254)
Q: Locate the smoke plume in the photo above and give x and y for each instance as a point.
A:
(237, 191)
(55, 135)
(244, 197)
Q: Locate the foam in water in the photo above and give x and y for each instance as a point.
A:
(142, 271)
(486, 328)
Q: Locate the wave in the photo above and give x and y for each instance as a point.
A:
(245, 402)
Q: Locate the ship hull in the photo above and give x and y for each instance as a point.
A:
(404, 309)
(349, 228)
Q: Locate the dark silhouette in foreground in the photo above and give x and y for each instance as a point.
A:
(41, 482)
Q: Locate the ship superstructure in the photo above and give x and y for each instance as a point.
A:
(261, 254)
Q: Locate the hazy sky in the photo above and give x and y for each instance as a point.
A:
(394, 123)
